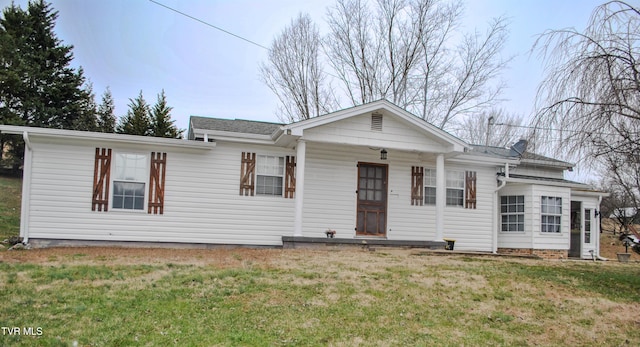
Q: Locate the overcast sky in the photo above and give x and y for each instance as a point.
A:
(133, 45)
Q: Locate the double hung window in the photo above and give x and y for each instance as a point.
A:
(129, 181)
(551, 214)
(587, 225)
(512, 210)
(455, 188)
(429, 186)
(269, 175)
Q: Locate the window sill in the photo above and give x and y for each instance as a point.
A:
(551, 234)
(123, 210)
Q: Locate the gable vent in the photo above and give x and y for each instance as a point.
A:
(376, 122)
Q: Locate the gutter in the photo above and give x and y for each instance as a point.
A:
(26, 188)
(503, 183)
(597, 255)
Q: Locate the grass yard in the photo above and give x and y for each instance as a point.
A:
(156, 297)
(243, 297)
(10, 190)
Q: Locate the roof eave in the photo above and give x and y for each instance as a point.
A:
(547, 163)
(546, 183)
(481, 159)
(105, 137)
(230, 136)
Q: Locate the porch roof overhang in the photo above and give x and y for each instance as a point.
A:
(74, 136)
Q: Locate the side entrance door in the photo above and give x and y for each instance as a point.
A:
(372, 200)
(576, 229)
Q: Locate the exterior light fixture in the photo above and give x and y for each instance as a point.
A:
(383, 154)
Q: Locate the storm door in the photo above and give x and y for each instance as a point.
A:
(576, 229)
(372, 200)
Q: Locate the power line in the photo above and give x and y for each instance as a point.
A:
(223, 30)
(210, 25)
(552, 129)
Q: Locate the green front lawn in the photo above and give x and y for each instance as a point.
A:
(316, 298)
(10, 190)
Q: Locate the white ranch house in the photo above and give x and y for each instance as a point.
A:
(374, 174)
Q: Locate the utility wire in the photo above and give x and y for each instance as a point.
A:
(551, 129)
(218, 28)
(209, 24)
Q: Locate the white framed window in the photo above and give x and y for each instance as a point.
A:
(455, 188)
(131, 172)
(269, 175)
(587, 225)
(512, 210)
(551, 214)
(429, 186)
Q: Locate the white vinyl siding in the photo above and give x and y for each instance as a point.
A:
(356, 131)
(330, 190)
(202, 204)
(473, 228)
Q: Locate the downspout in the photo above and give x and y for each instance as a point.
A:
(26, 189)
(495, 205)
(598, 256)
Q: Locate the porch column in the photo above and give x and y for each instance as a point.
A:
(440, 196)
(301, 148)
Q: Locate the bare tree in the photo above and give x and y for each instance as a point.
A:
(589, 102)
(592, 89)
(469, 86)
(622, 181)
(396, 50)
(494, 127)
(294, 74)
(435, 34)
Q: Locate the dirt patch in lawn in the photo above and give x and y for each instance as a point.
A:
(222, 258)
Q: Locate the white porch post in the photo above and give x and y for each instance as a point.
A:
(301, 148)
(440, 196)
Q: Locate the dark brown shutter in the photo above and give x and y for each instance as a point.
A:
(101, 176)
(247, 174)
(417, 185)
(470, 187)
(290, 177)
(156, 182)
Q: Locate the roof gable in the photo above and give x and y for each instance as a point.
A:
(411, 123)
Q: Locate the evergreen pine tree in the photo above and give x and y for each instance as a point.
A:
(161, 123)
(136, 121)
(88, 118)
(37, 85)
(106, 113)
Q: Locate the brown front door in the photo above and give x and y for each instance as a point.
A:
(372, 200)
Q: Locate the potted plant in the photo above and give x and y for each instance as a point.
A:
(624, 257)
(330, 233)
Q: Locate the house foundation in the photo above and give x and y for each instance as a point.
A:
(542, 253)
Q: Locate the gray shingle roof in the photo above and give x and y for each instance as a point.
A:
(546, 179)
(234, 125)
(508, 153)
